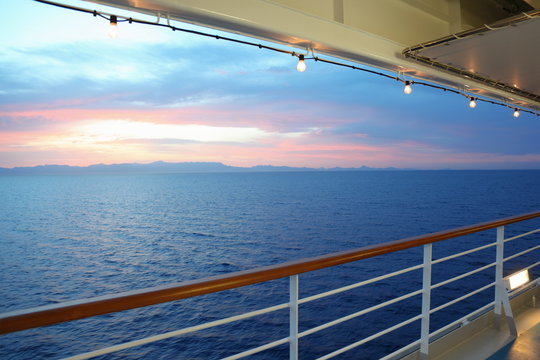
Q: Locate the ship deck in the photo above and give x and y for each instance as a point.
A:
(482, 339)
(526, 346)
(507, 327)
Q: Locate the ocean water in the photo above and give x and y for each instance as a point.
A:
(72, 237)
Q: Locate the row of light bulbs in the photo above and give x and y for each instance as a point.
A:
(301, 66)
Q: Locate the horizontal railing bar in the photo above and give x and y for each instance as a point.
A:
(258, 349)
(462, 319)
(461, 298)
(442, 283)
(174, 333)
(369, 338)
(521, 253)
(521, 235)
(79, 309)
(396, 354)
(353, 286)
(531, 266)
(358, 313)
(463, 253)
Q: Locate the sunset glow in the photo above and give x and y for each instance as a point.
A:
(71, 95)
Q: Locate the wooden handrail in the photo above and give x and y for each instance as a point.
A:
(79, 309)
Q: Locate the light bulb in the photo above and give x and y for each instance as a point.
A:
(472, 103)
(113, 27)
(408, 89)
(301, 66)
(516, 113)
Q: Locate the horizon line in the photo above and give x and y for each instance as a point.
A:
(253, 167)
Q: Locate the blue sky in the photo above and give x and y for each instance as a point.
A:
(71, 95)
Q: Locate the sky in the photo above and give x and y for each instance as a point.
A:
(71, 95)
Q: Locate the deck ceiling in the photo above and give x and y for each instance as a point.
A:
(493, 55)
(376, 33)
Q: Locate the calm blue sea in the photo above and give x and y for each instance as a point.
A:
(73, 237)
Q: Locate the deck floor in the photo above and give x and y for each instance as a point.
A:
(482, 339)
(525, 347)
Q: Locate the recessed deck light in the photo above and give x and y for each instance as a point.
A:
(516, 280)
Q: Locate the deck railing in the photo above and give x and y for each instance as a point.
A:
(72, 310)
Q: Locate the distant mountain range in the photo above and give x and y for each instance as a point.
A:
(162, 167)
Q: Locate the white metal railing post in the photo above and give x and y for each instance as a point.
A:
(293, 317)
(501, 294)
(426, 302)
(499, 256)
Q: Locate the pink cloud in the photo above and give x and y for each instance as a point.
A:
(281, 152)
(316, 145)
(58, 103)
